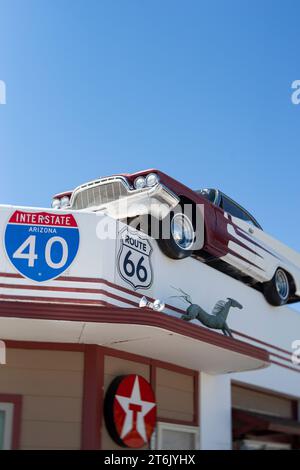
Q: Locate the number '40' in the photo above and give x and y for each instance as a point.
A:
(31, 255)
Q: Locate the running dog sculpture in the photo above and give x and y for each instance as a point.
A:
(217, 319)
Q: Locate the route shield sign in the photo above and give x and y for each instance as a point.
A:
(41, 245)
(134, 259)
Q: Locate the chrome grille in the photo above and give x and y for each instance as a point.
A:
(98, 194)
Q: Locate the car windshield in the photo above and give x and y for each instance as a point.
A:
(209, 194)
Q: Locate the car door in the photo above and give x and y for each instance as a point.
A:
(236, 235)
(266, 258)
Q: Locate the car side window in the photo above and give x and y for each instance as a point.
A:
(231, 208)
(249, 219)
(237, 211)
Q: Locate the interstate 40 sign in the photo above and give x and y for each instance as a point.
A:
(41, 245)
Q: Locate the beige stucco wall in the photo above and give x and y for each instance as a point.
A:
(175, 395)
(257, 401)
(51, 383)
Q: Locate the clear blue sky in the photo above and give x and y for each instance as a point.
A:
(200, 89)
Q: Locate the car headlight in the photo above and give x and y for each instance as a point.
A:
(139, 182)
(55, 203)
(152, 179)
(65, 201)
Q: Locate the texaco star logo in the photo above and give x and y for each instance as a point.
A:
(130, 411)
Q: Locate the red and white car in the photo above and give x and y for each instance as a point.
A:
(230, 240)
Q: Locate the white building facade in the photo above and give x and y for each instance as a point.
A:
(70, 332)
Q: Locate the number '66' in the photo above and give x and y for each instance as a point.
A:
(130, 269)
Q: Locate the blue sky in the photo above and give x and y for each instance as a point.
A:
(199, 89)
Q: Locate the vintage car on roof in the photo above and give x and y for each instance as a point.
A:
(229, 237)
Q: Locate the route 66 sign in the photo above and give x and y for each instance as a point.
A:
(134, 259)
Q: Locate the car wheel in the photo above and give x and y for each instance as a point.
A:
(277, 291)
(177, 235)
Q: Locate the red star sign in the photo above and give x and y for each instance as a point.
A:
(132, 415)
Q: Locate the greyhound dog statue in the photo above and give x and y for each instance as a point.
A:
(217, 319)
